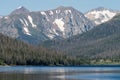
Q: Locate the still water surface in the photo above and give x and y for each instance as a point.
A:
(59, 73)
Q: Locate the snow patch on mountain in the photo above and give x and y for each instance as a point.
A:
(68, 11)
(31, 21)
(55, 32)
(108, 15)
(22, 22)
(51, 12)
(57, 11)
(26, 31)
(19, 7)
(100, 16)
(26, 22)
(43, 13)
(60, 24)
(51, 36)
(6, 17)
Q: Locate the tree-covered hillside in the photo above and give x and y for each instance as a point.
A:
(14, 52)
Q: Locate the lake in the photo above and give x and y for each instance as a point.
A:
(59, 73)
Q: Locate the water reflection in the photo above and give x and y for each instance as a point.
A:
(59, 73)
(62, 76)
(28, 70)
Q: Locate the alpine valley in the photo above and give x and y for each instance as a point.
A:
(72, 37)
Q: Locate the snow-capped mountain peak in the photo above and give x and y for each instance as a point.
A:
(100, 15)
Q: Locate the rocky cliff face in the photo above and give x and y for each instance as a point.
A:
(35, 27)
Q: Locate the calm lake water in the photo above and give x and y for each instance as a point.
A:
(59, 73)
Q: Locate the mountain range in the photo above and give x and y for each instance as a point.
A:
(64, 30)
(36, 27)
(60, 23)
(101, 42)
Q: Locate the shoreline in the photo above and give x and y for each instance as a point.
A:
(61, 66)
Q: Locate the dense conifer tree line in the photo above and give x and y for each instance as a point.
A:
(14, 52)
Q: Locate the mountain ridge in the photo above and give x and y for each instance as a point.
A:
(101, 42)
(36, 27)
(20, 10)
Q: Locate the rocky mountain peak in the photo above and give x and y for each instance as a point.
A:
(100, 8)
(64, 7)
(20, 10)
